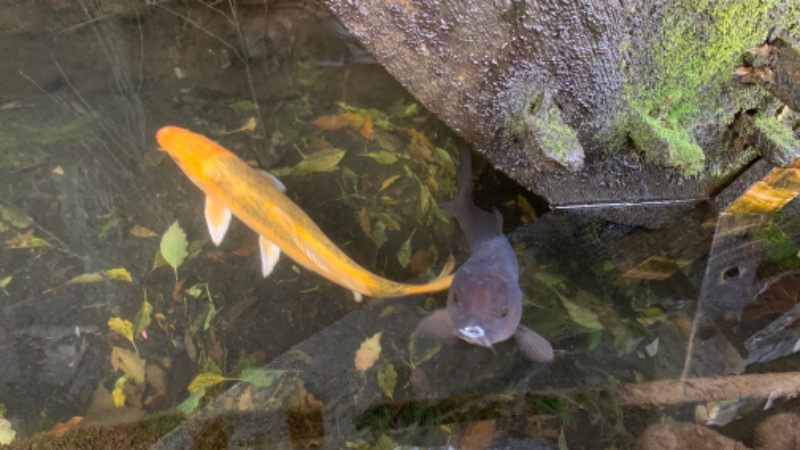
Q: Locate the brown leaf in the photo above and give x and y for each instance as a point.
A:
(246, 250)
(364, 221)
(366, 127)
(143, 232)
(368, 352)
(129, 363)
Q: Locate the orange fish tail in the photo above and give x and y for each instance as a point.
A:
(440, 283)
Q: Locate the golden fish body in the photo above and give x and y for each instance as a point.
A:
(257, 199)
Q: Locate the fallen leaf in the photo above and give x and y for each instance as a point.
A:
(323, 161)
(404, 254)
(173, 247)
(143, 232)
(15, 218)
(528, 214)
(581, 315)
(243, 106)
(387, 379)
(331, 122)
(379, 234)
(118, 273)
(205, 380)
(368, 352)
(4, 282)
(58, 170)
(192, 402)
(382, 157)
(388, 182)
(260, 377)
(143, 315)
(118, 394)
(157, 379)
(246, 250)
(122, 327)
(245, 402)
(27, 240)
(7, 433)
(248, 127)
(418, 354)
(363, 221)
(129, 363)
(366, 127)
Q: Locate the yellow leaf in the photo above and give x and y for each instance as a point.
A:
(205, 380)
(58, 170)
(389, 181)
(363, 220)
(248, 127)
(528, 214)
(368, 353)
(143, 232)
(118, 394)
(4, 282)
(366, 127)
(119, 273)
(322, 161)
(129, 363)
(121, 327)
(92, 277)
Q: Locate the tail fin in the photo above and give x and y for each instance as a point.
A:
(440, 283)
(460, 205)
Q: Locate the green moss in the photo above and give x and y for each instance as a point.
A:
(779, 133)
(693, 63)
(534, 121)
(779, 247)
(667, 145)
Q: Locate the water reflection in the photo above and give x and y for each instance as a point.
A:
(97, 331)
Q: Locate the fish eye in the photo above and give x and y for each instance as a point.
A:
(504, 313)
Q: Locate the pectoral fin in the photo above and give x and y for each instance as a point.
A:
(269, 255)
(218, 218)
(533, 346)
(437, 325)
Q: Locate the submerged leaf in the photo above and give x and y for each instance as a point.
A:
(581, 315)
(122, 327)
(129, 363)
(119, 273)
(143, 232)
(404, 254)
(368, 352)
(388, 182)
(382, 157)
(260, 377)
(191, 402)
(379, 234)
(174, 246)
(418, 355)
(4, 282)
(143, 315)
(387, 379)
(205, 380)
(92, 277)
(363, 221)
(323, 161)
(118, 394)
(528, 213)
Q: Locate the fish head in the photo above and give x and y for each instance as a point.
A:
(484, 308)
(193, 152)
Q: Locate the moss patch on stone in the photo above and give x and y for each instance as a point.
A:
(666, 145)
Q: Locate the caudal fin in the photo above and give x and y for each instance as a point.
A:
(460, 205)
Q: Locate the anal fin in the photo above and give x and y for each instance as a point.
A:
(218, 218)
(270, 253)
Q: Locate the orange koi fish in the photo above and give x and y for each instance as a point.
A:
(233, 188)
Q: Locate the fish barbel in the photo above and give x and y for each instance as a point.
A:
(233, 188)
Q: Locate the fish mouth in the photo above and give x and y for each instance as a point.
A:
(474, 334)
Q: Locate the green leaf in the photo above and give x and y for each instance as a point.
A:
(191, 402)
(173, 247)
(417, 355)
(212, 312)
(387, 379)
(581, 315)
(404, 254)
(4, 282)
(322, 161)
(143, 315)
(382, 157)
(379, 234)
(260, 377)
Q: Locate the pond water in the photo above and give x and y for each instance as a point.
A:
(121, 323)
